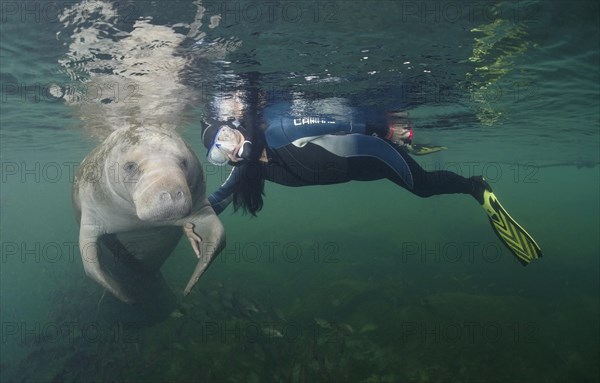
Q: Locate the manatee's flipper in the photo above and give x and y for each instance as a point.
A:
(423, 149)
(89, 247)
(518, 241)
(207, 237)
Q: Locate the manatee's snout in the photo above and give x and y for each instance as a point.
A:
(178, 200)
(163, 197)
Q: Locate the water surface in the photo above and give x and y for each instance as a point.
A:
(356, 282)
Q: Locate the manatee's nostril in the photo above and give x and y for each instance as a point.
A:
(165, 196)
(173, 196)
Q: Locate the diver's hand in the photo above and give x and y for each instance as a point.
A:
(400, 128)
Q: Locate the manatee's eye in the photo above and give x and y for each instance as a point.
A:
(184, 163)
(130, 167)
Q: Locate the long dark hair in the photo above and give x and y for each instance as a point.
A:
(249, 189)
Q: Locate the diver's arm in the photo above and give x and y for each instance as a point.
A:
(220, 199)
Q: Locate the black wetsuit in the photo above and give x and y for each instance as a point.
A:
(307, 150)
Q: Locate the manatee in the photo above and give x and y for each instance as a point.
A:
(134, 196)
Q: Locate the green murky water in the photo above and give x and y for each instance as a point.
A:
(360, 282)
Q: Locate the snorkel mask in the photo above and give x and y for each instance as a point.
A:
(221, 139)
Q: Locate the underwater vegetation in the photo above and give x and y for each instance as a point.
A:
(362, 333)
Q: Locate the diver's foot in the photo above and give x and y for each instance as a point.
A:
(480, 185)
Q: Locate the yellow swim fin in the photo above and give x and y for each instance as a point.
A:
(518, 241)
(423, 149)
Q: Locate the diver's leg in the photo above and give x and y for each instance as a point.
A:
(426, 184)
(513, 235)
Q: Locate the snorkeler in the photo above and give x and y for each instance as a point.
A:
(322, 149)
